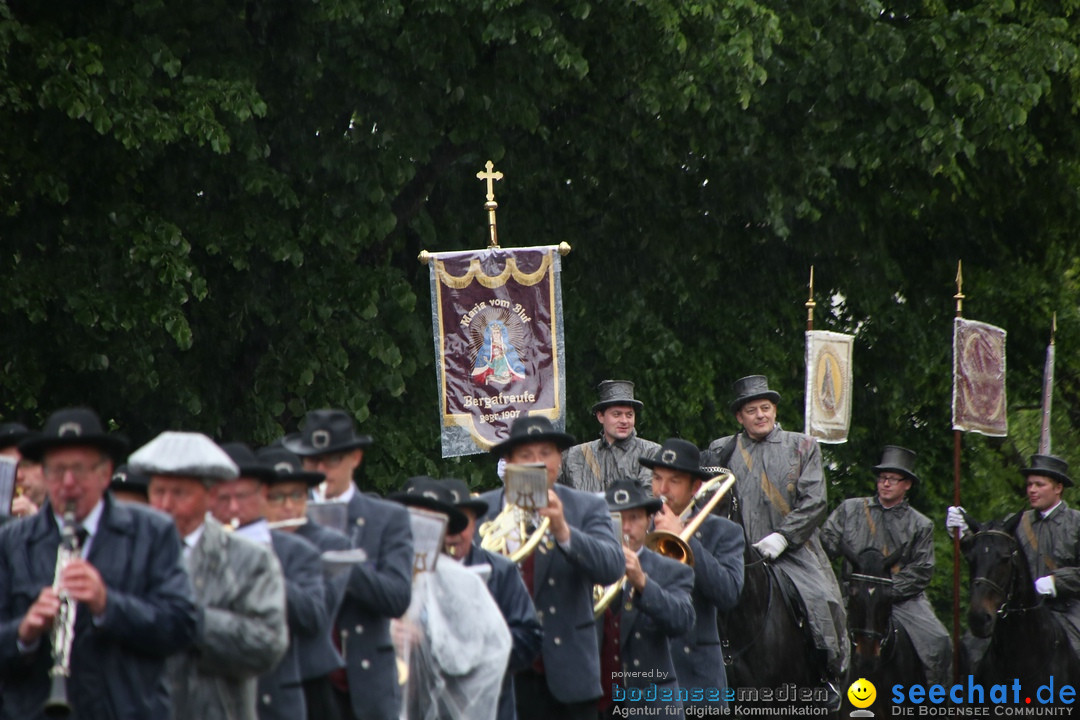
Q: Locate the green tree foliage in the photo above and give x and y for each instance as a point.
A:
(211, 211)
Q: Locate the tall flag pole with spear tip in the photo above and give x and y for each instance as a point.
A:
(978, 405)
(1048, 391)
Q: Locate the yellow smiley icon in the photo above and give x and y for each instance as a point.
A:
(862, 693)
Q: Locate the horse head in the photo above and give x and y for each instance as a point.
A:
(869, 601)
(1000, 578)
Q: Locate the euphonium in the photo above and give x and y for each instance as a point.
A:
(63, 629)
(496, 533)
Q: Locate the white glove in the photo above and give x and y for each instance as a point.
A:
(1045, 586)
(771, 545)
(955, 519)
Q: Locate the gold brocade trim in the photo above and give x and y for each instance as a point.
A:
(767, 487)
(489, 281)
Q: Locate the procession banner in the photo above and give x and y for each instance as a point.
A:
(978, 403)
(828, 385)
(498, 332)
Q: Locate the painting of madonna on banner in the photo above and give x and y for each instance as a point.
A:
(497, 328)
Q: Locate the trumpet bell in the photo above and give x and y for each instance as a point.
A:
(670, 545)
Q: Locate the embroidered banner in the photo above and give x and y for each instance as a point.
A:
(498, 330)
(978, 402)
(828, 385)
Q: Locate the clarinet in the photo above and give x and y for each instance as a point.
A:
(63, 629)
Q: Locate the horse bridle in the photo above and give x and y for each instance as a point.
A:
(1003, 609)
(890, 632)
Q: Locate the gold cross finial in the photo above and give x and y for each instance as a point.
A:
(488, 174)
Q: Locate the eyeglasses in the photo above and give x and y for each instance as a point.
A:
(79, 472)
(890, 480)
(279, 498)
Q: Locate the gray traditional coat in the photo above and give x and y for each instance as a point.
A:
(241, 594)
(863, 523)
(1052, 547)
(593, 466)
(781, 487)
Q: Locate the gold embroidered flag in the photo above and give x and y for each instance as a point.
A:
(828, 385)
(978, 403)
(498, 331)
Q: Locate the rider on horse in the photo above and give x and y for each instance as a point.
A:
(888, 523)
(1049, 536)
(782, 488)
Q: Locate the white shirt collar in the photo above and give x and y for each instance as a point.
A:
(1046, 513)
(192, 539)
(346, 496)
(89, 523)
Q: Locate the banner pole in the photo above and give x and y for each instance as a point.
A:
(1048, 391)
(957, 445)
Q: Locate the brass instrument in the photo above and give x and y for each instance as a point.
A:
(63, 629)
(513, 519)
(677, 547)
(674, 546)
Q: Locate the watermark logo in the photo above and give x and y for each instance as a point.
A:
(862, 695)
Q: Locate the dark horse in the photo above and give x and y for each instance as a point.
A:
(882, 651)
(1026, 642)
(766, 643)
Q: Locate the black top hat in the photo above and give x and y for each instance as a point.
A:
(627, 494)
(463, 498)
(533, 428)
(250, 466)
(615, 392)
(73, 426)
(125, 479)
(12, 433)
(677, 454)
(325, 432)
(898, 460)
(287, 466)
(430, 494)
(1049, 466)
(752, 387)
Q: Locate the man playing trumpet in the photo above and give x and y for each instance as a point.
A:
(717, 545)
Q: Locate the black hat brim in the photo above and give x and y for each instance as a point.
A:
(294, 443)
(480, 507)
(1061, 478)
(651, 505)
(652, 464)
(35, 447)
(878, 469)
(636, 404)
(456, 520)
(771, 395)
(311, 479)
(562, 440)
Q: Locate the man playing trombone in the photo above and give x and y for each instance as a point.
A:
(717, 546)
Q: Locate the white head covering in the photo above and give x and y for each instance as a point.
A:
(188, 454)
